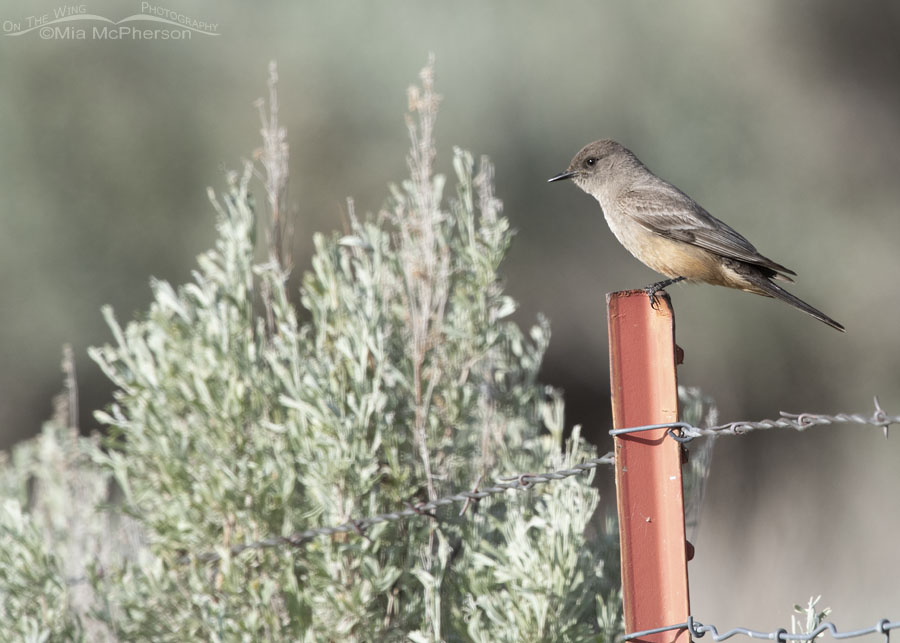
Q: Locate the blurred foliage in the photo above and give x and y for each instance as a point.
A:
(233, 421)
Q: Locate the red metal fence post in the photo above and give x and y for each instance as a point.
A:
(648, 465)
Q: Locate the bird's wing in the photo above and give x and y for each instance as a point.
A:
(672, 214)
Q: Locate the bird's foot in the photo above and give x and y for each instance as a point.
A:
(652, 289)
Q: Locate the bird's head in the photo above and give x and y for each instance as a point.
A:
(598, 165)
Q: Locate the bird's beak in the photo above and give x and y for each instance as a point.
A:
(568, 174)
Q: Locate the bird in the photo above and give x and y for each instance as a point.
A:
(671, 233)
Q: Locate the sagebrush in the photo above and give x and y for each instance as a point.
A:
(237, 417)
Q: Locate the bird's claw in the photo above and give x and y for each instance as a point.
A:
(651, 293)
(659, 286)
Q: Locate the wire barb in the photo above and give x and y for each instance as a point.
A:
(470, 501)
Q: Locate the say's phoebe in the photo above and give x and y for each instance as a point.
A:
(669, 232)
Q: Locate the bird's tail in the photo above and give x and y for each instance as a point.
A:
(776, 291)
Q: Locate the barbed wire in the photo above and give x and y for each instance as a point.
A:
(680, 431)
(698, 630)
(521, 482)
(799, 421)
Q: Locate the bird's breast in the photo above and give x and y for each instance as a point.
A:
(667, 256)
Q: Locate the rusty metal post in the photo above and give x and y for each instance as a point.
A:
(648, 465)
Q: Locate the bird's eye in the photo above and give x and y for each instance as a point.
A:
(590, 162)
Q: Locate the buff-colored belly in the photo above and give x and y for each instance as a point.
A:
(667, 256)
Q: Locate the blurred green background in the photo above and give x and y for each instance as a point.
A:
(783, 119)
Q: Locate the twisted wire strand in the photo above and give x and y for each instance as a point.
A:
(685, 432)
(680, 431)
(698, 630)
(522, 482)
